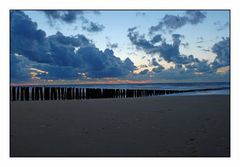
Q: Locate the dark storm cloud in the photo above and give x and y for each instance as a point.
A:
(77, 40)
(139, 40)
(92, 27)
(144, 72)
(56, 72)
(222, 50)
(177, 39)
(156, 39)
(169, 52)
(179, 74)
(172, 22)
(26, 39)
(186, 67)
(199, 66)
(195, 17)
(129, 65)
(154, 62)
(113, 45)
(62, 56)
(158, 69)
(19, 69)
(65, 16)
(104, 64)
(72, 16)
(62, 49)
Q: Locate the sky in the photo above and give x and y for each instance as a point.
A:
(119, 46)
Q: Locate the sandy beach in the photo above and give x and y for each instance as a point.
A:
(146, 126)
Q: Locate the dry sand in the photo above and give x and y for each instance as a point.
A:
(149, 126)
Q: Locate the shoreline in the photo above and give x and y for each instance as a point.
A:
(165, 126)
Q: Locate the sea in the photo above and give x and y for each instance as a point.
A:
(214, 88)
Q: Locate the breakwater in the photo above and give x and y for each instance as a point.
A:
(35, 93)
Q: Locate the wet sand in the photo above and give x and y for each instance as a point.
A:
(147, 126)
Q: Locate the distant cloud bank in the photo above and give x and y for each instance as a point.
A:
(63, 57)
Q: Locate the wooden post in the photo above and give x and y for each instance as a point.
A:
(27, 93)
(21, 93)
(13, 93)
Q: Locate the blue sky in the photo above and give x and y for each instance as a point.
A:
(119, 46)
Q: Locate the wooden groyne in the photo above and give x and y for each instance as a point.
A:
(35, 93)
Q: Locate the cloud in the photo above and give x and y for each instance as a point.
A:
(139, 40)
(65, 16)
(169, 52)
(223, 70)
(19, 68)
(185, 45)
(144, 72)
(154, 62)
(56, 72)
(222, 50)
(181, 75)
(26, 39)
(156, 39)
(186, 66)
(158, 69)
(129, 65)
(140, 14)
(61, 56)
(199, 67)
(71, 16)
(112, 45)
(220, 26)
(172, 22)
(195, 17)
(92, 27)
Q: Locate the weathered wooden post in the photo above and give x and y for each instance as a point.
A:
(80, 93)
(37, 93)
(54, 93)
(21, 93)
(50, 93)
(46, 93)
(32, 93)
(77, 93)
(27, 93)
(13, 93)
(41, 93)
(17, 93)
(72, 93)
(69, 93)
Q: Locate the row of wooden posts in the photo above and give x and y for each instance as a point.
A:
(26, 93)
